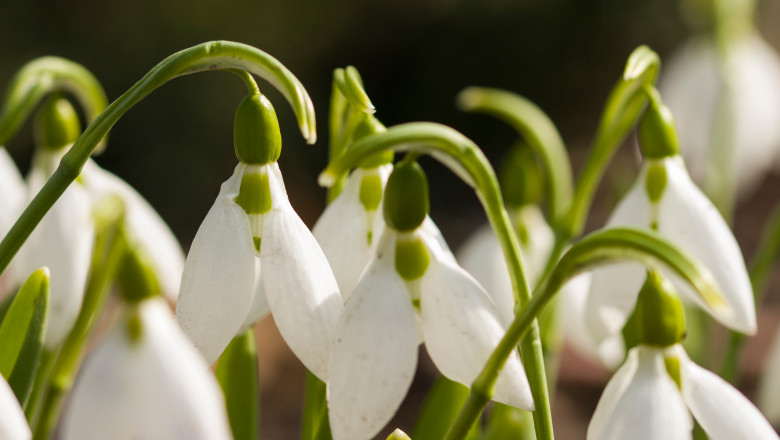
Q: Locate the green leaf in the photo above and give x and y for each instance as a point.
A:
(22, 333)
(440, 409)
(539, 133)
(237, 375)
(316, 425)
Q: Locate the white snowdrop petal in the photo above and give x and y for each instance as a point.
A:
(435, 241)
(13, 425)
(342, 232)
(723, 412)
(769, 385)
(641, 402)
(299, 284)
(611, 299)
(461, 328)
(13, 194)
(572, 297)
(152, 386)
(690, 220)
(373, 352)
(481, 256)
(259, 308)
(63, 242)
(144, 223)
(218, 279)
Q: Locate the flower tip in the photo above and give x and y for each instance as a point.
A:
(467, 99)
(398, 435)
(326, 179)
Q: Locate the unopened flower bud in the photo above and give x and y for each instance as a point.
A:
(56, 124)
(256, 133)
(406, 197)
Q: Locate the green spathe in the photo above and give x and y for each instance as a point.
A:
(406, 197)
(56, 124)
(660, 320)
(256, 134)
(657, 134)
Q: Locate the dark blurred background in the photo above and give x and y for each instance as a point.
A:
(176, 148)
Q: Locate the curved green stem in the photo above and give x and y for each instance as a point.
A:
(466, 160)
(217, 55)
(623, 107)
(537, 130)
(40, 77)
(600, 248)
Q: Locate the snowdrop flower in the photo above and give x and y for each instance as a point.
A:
(12, 198)
(650, 396)
(769, 385)
(13, 425)
(145, 380)
(694, 89)
(143, 223)
(252, 228)
(63, 240)
(347, 227)
(665, 199)
(411, 291)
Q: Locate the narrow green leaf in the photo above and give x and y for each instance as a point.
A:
(237, 375)
(440, 409)
(22, 333)
(316, 425)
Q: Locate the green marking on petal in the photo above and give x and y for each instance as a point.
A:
(255, 193)
(370, 236)
(655, 182)
(371, 192)
(411, 258)
(673, 368)
(416, 304)
(257, 241)
(134, 327)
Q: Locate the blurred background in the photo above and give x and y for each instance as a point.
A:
(176, 147)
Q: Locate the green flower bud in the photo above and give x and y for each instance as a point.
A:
(56, 124)
(256, 134)
(398, 435)
(521, 177)
(371, 125)
(137, 280)
(406, 197)
(660, 320)
(657, 135)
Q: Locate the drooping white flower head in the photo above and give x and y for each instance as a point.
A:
(665, 199)
(694, 90)
(347, 228)
(769, 385)
(643, 401)
(13, 424)
(146, 226)
(63, 242)
(145, 380)
(222, 289)
(13, 194)
(411, 291)
(687, 218)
